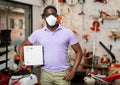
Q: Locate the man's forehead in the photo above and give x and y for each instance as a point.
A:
(50, 10)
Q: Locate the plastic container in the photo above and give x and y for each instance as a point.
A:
(29, 79)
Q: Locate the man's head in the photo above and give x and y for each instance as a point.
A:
(50, 15)
(46, 11)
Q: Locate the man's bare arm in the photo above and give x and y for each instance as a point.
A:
(21, 51)
(77, 49)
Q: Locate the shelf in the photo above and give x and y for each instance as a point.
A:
(113, 17)
(110, 17)
(114, 35)
(95, 66)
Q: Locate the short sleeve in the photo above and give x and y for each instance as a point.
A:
(33, 37)
(72, 38)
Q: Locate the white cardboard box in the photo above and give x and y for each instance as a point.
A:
(33, 55)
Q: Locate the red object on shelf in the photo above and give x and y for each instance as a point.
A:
(60, 1)
(95, 26)
(104, 59)
(92, 72)
(4, 79)
(59, 19)
(111, 78)
(84, 69)
(16, 57)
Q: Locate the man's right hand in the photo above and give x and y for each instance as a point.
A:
(22, 64)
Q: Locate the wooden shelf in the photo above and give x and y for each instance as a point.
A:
(113, 17)
(110, 17)
(114, 36)
(95, 66)
(102, 69)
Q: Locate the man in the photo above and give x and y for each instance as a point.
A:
(55, 40)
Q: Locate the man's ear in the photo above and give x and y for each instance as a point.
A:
(42, 16)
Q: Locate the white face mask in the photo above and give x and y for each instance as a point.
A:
(51, 20)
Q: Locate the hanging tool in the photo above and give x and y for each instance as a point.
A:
(103, 13)
(85, 36)
(118, 13)
(101, 1)
(82, 9)
(95, 26)
(94, 51)
(110, 47)
(109, 51)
